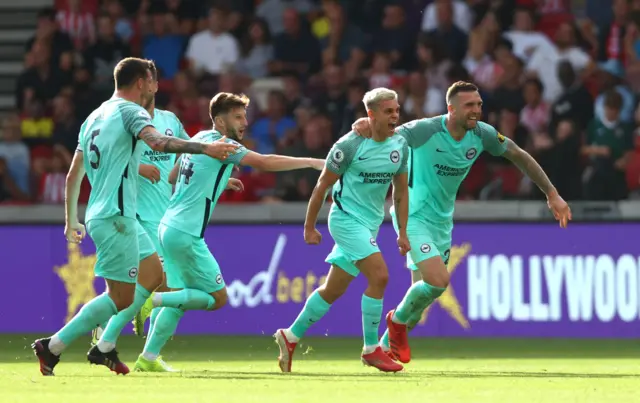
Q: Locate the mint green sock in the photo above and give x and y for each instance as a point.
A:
(411, 323)
(314, 309)
(371, 316)
(165, 326)
(152, 319)
(420, 295)
(118, 322)
(187, 299)
(98, 310)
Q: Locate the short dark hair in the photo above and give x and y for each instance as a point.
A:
(613, 100)
(48, 13)
(458, 87)
(130, 69)
(223, 102)
(535, 82)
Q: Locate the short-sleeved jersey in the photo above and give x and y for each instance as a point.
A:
(153, 199)
(108, 139)
(366, 168)
(438, 163)
(200, 183)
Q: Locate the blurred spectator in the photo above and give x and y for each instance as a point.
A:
(422, 100)
(41, 81)
(49, 35)
(333, 100)
(433, 60)
(523, 36)
(14, 161)
(355, 108)
(315, 143)
(102, 57)
(461, 15)
(479, 61)
(52, 182)
(184, 101)
(345, 44)
(78, 24)
(608, 146)
(67, 126)
(257, 50)
(508, 94)
(395, 38)
(633, 167)
(37, 129)
(164, 44)
(272, 11)
(267, 132)
(123, 26)
(575, 103)
(213, 50)
(293, 92)
(295, 49)
(611, 76)
(611, 34)
(535, 114)
(380, 74)
(544, 61)
(447, 33)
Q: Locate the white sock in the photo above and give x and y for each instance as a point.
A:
(292, 338)
(156, 300)
(395, 319)
(56, 346)
(105, 346)
(149, 356)
(369, 349)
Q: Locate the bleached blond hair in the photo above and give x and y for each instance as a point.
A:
(372, 98)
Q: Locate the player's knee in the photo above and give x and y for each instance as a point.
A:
(441, 278)
(220, 298)
(379, 279)
(331, 293)
(122, 301)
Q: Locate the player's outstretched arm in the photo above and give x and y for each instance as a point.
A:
(159, 142)
(530, 167)
(401, 205)
(74, 231)
(326, 180)
(274, 163)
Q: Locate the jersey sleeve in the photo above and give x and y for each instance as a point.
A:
(418, 132)
(238, 155)
(80, 146)
(404, 163)
(135, 118)
(342, 153)
(492, 141)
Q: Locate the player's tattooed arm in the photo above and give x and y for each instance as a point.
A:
(159, 142)
(529, 166)
(325, 182)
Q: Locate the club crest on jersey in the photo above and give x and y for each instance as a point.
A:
(219, 279)
(395, 156)
(133, 272)
(471, 153)
(338, 156)
(373, 242)
(501, 138)
(168, 132)
(425, 248)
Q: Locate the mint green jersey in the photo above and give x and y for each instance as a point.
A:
(153, 199)
(438, 163)
(200, 183)
(108, 139)
(366, 168)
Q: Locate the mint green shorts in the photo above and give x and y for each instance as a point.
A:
(188, 262)
(353, 240)
(427, 239)
(117, 248)
(151, 241)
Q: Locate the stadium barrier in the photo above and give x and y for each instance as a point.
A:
(509, 278)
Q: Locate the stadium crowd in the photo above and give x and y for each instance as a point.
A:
(560, 87)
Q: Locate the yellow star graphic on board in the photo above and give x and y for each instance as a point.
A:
(448, 300)
(77, 276)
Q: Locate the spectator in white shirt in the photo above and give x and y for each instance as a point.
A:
(213, 50)
(544, 62)
(462, 16)
(523, 36)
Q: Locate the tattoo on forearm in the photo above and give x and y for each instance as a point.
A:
(170, 144)
(529, 166)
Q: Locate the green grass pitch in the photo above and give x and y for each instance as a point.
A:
(328, 370)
